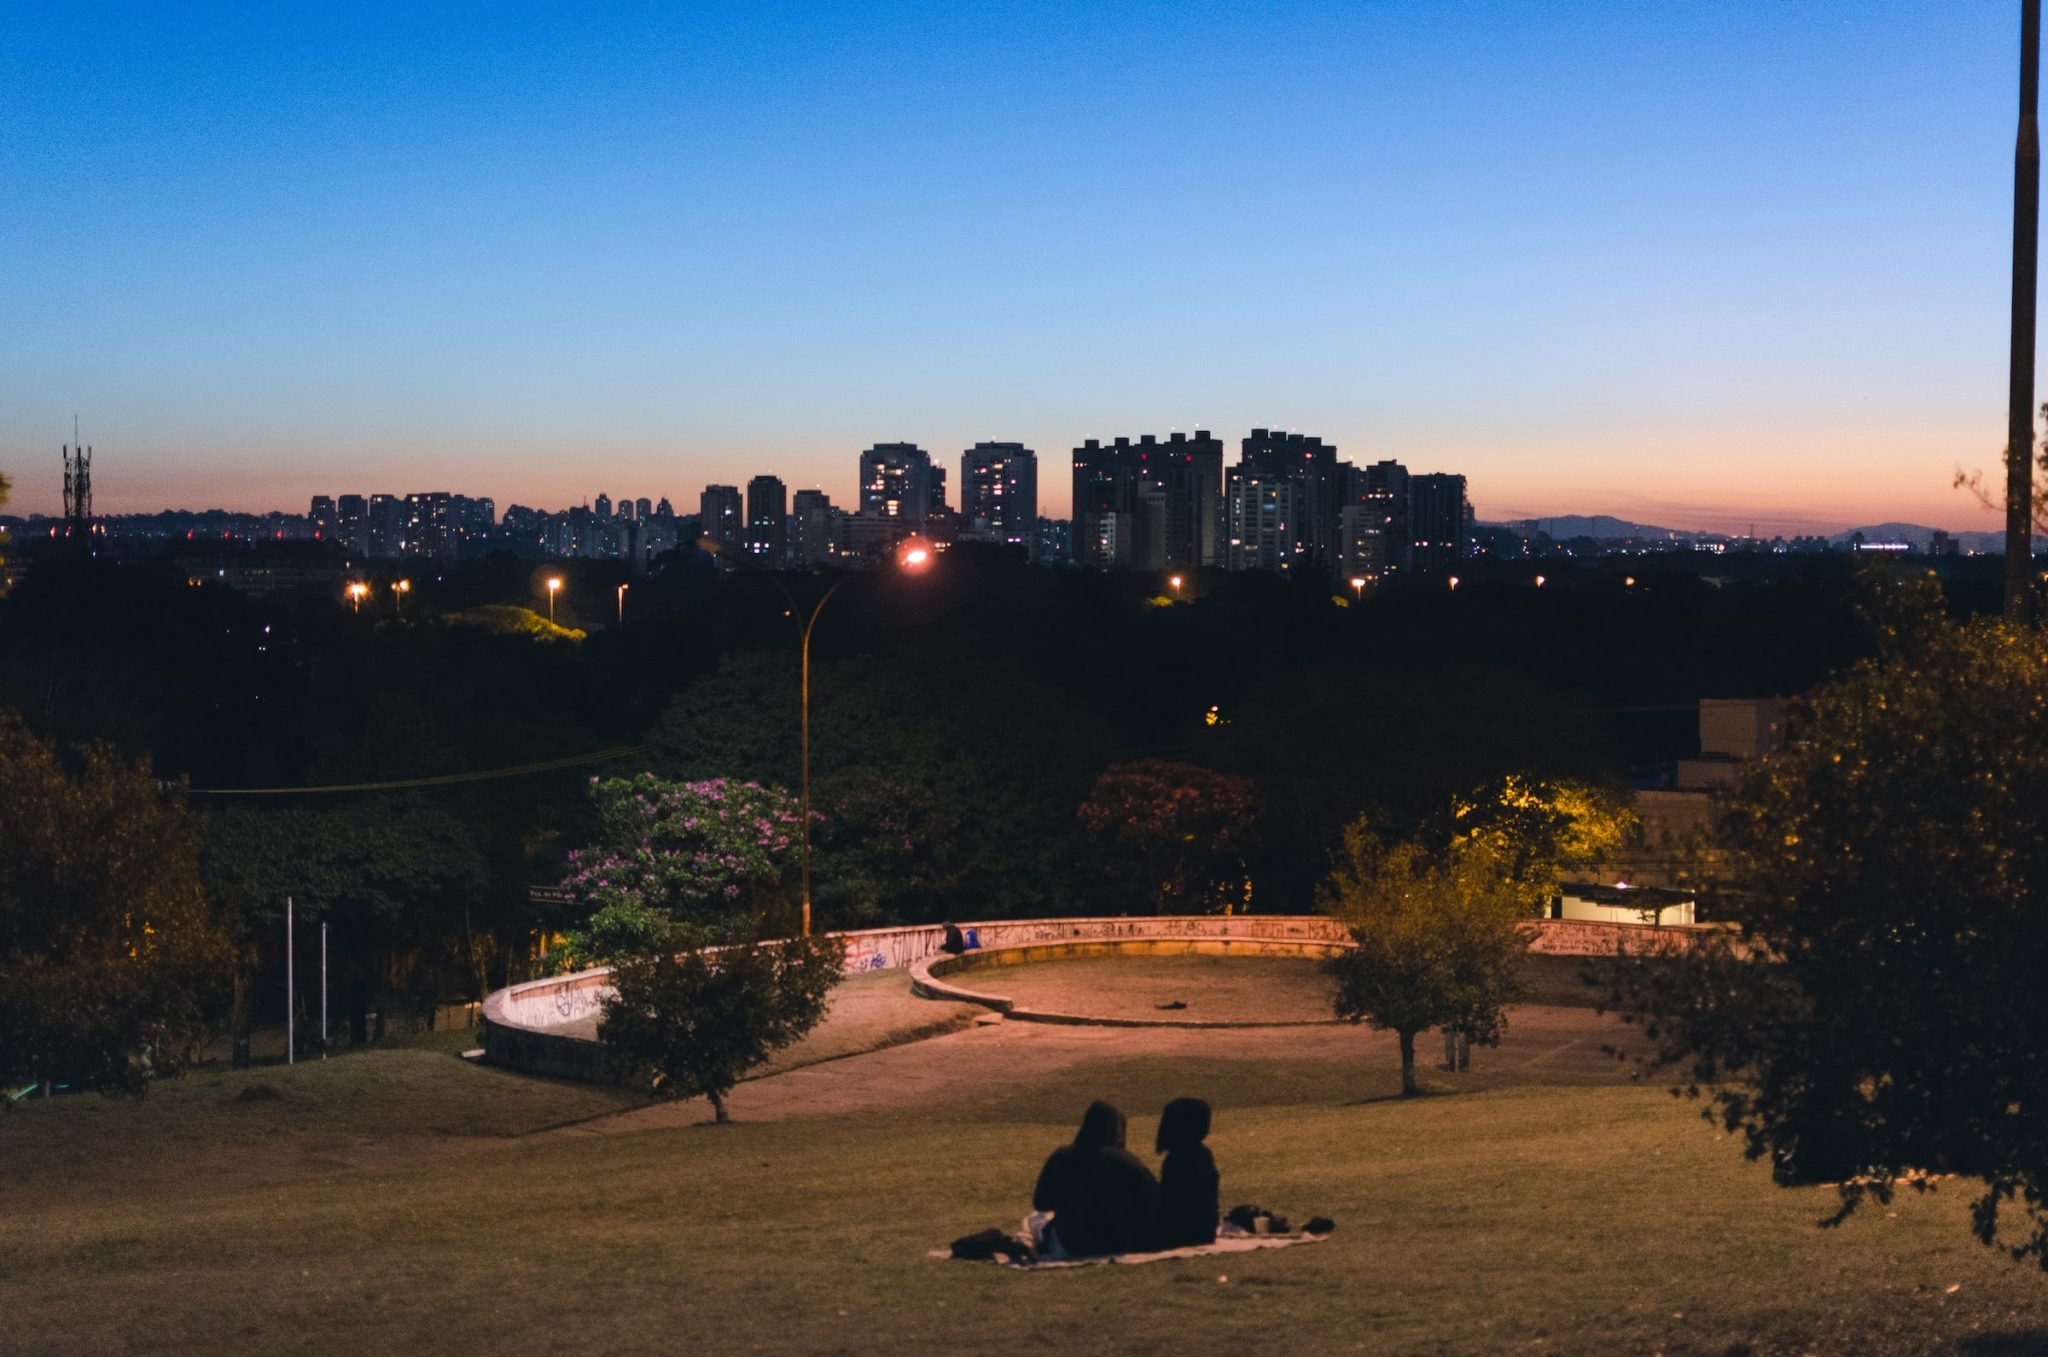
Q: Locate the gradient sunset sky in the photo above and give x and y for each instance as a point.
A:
(1697, 264)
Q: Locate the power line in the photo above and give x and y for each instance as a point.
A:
(445, 780)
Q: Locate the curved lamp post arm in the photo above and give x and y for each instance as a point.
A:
(805, 626)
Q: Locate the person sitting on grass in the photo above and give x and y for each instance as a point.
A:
(1188, 1182)
(1101, 1198)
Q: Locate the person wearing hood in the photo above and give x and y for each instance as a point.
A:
(1189, 1205)
(1101, 1198)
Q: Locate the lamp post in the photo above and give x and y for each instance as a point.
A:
(356, 590)
(622, 604)
(554, 587)
(1175, 582)
(399, 589)
(1358, 586)
(911, 558)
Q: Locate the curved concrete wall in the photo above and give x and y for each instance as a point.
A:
(517, 1021)
(934, 977)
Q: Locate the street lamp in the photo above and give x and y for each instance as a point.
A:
(1358, 586)
(1454, 581)
(913, 557)
(1175, 582)
(356, 590)
(554, 587)
(399, 589)
(622, 603)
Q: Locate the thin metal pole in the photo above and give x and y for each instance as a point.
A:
(2026, 232)
(289, 997)
(804, 810)
(323, 989)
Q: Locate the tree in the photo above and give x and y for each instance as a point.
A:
(695, 1019)
(1170, 831)
(1879, 1013)
(1434, 940)
(679, 863)
(110, 960)
(919, 804)
(394, 875)
(1539, 828)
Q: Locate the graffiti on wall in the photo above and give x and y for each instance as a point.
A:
(542, 1004)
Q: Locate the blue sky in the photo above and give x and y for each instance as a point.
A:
(1695, 264)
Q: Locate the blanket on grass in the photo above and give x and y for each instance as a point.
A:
(1225, 1243)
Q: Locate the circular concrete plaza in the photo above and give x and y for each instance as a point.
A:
(1196, 988)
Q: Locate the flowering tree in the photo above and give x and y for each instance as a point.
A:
(679, 863)
(1173, 831)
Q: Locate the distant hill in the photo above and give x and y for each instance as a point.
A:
(1604, 527)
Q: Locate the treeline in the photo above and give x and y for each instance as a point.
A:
(959, 723)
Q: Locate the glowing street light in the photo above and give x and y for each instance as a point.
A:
(913, 557)
(399, 589)
(622, 602)
(1358, 586)
(1175, 582)
(1454, 582)
(1539, 581)
(356, 590)
(554, 587)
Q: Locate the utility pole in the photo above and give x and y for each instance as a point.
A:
(290, 998)
(2026, 233)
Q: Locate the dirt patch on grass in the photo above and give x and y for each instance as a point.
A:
(1192, 988)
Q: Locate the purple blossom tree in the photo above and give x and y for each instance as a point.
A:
(679, 863)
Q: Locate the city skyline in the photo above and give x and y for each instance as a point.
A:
(1701, 269)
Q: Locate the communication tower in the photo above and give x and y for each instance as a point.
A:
(78, 496)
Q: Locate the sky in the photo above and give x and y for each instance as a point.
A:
(1699, 265)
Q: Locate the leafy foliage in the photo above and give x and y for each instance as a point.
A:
(1436, 943)
(508, 619)
(679, 863)
(110, 960)
(1538, 828)
(1880, 1013)
(934, 778)
(696, 1019)
(1171, 833)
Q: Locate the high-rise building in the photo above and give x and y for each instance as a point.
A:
(1439, 520)
(473, 520)
(428, 530)
(1313, 464)
(767, 510)
(323, 519)
(642, 507)
(999, 495)
(1263, 509)
(812, 524)
(1166, 499)
(664, 509)
(602, 508)
(896, 483)
(721, 518)
(352, 524)
(1055, 537)
(385, 539)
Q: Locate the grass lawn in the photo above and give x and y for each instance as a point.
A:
(381, 1204)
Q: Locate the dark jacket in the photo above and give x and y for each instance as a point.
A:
(1188, 1182)
(1102, 1199)
(1188, 1198)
